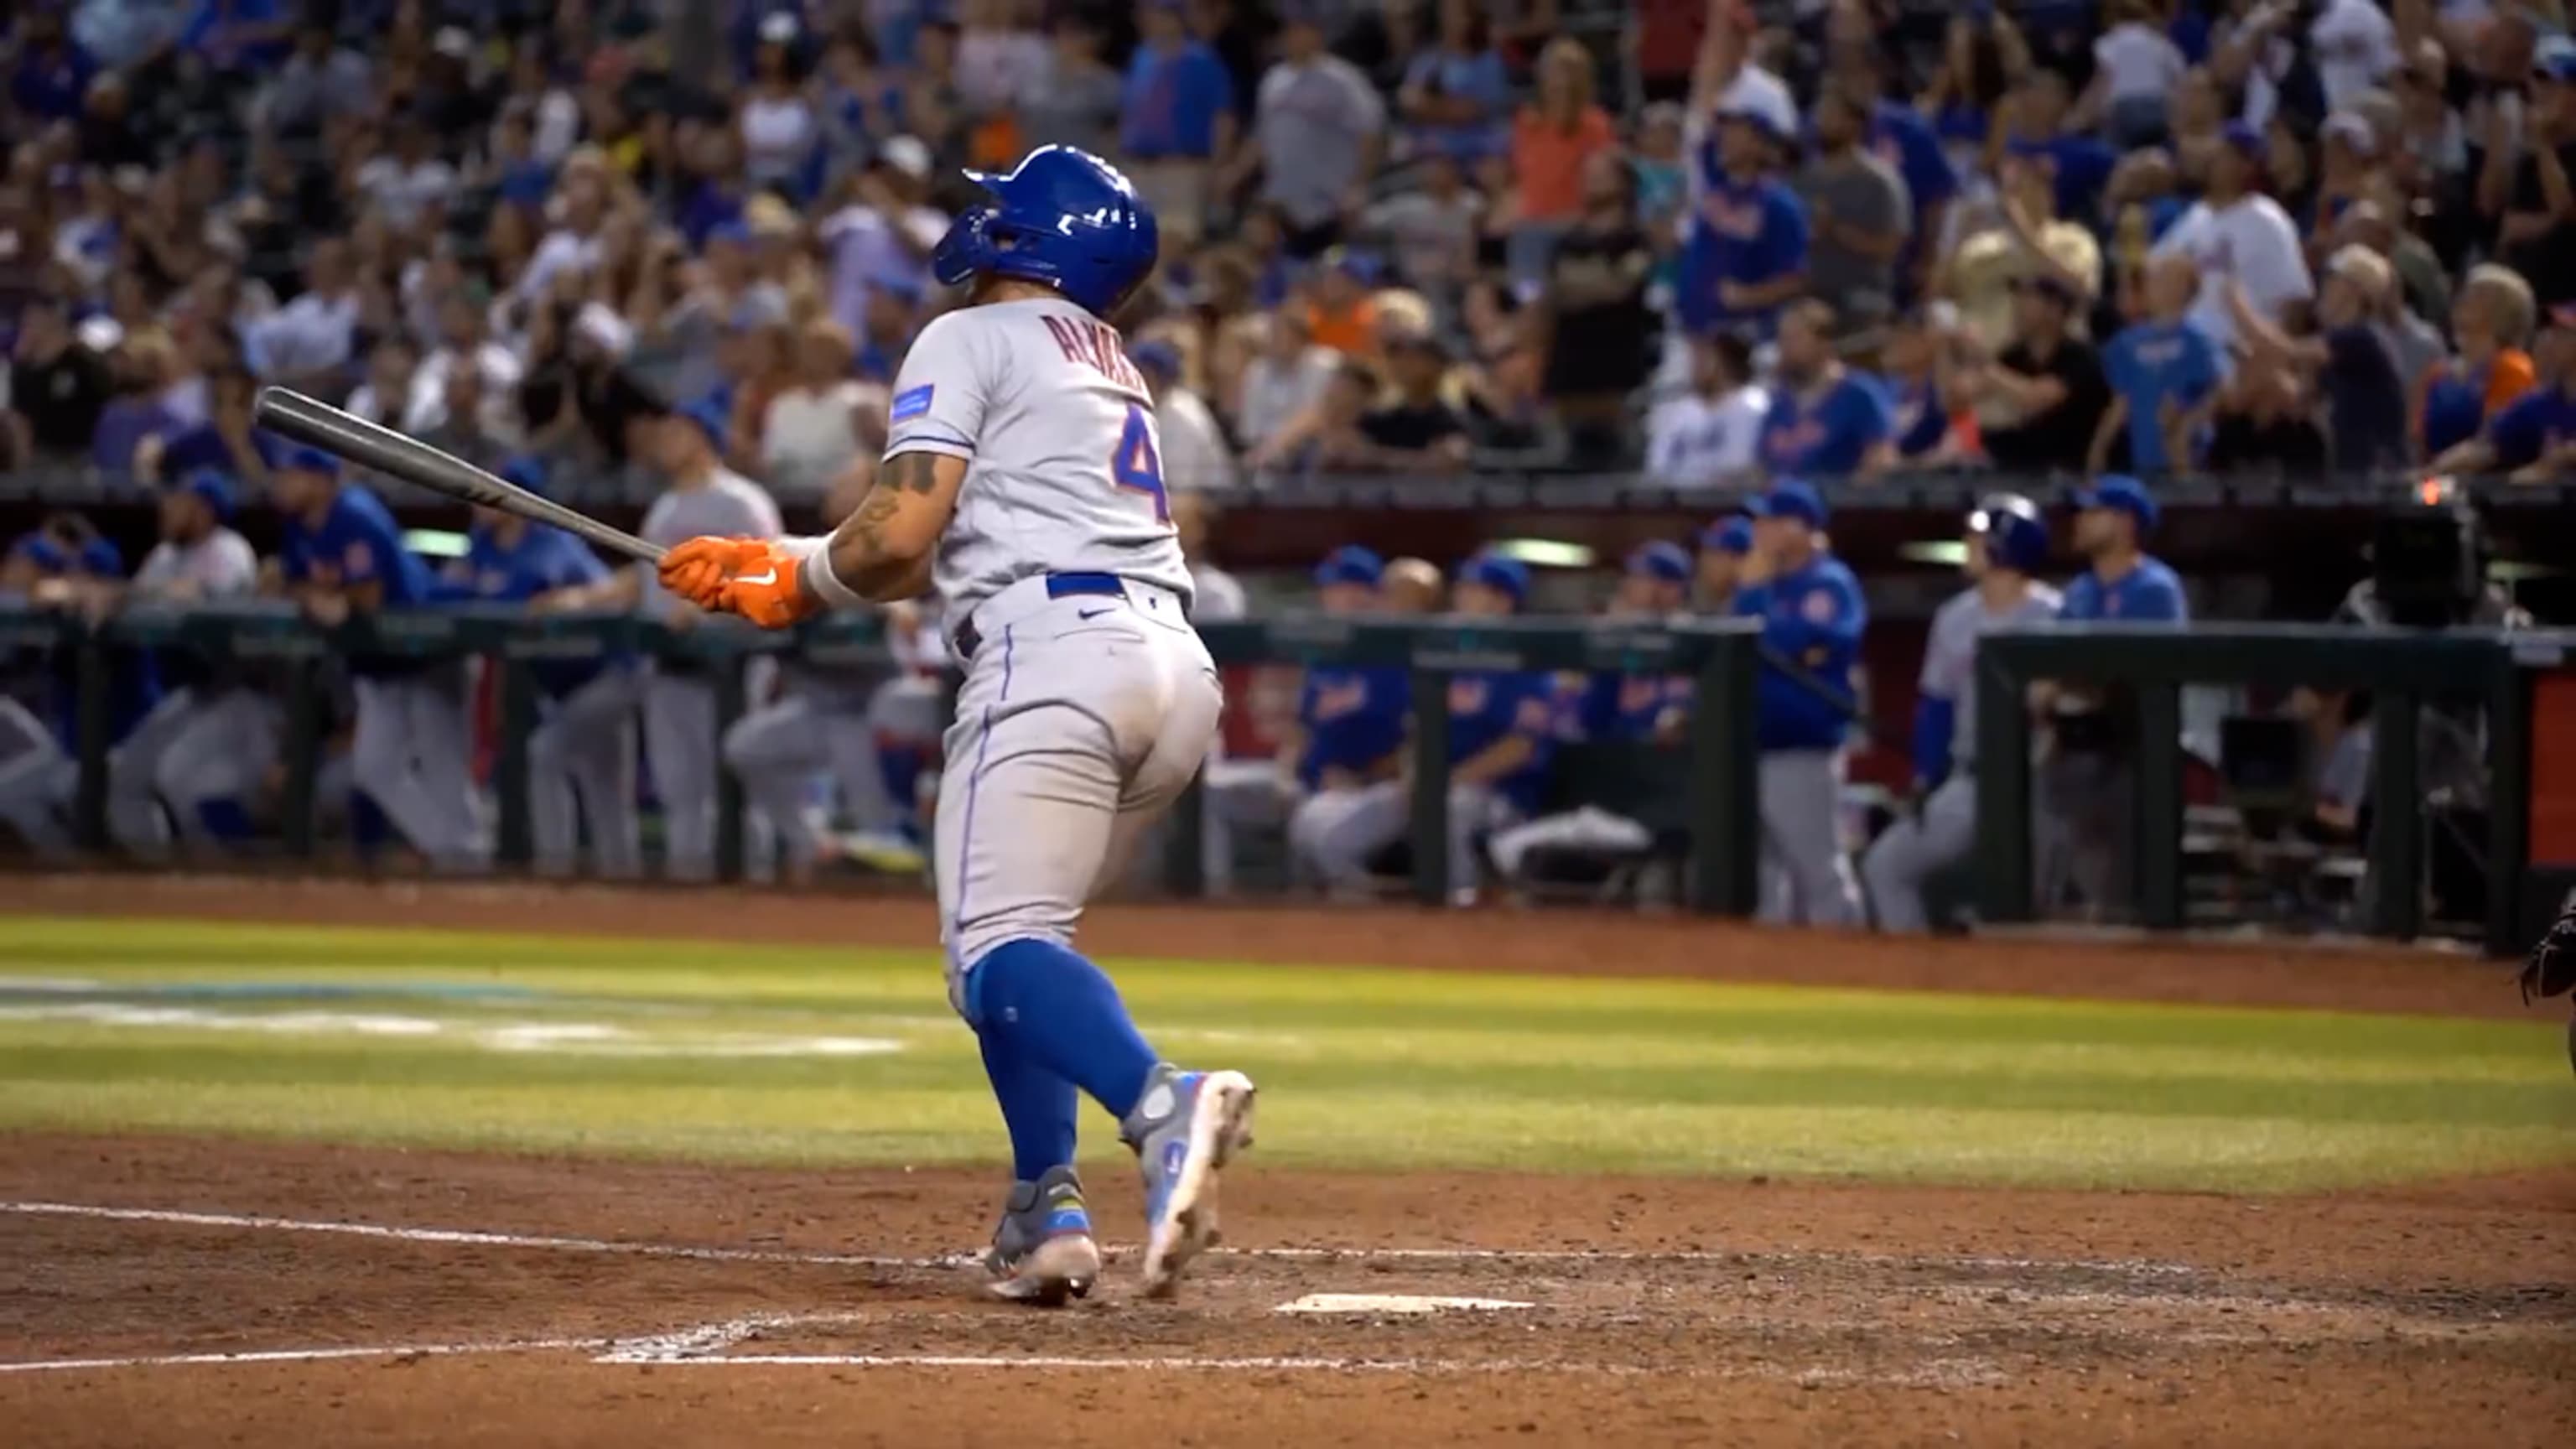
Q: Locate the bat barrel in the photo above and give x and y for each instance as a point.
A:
(345, 435)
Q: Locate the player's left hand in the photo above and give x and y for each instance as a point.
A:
(698, 569)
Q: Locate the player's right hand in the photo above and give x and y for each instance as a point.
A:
(698, 569)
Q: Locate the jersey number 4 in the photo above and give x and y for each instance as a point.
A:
(1136, 464)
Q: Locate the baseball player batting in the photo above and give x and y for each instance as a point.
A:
(1023, 483)
(2007, 544)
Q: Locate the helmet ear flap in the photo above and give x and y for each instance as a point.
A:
(968, 247)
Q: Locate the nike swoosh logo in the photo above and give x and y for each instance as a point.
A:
(769, 577)
(1090, 613)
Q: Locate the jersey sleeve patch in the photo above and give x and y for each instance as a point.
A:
(912, 403)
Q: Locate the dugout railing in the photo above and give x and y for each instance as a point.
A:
(1713, 770)
(2410, 675)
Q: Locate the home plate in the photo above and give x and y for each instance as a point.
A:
(1393, 1303)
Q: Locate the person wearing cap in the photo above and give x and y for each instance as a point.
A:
(1725, 549)
(2041, 400)
(581, 755)
(884, 231)
(1611, 708)
(1501, 727)
(701, 497)
(1812, 615)
(1711, 434)
(1746, 254)
(1348, 732)
(2236, 233)
(65, 564)
(2007, 546)
(1195, 455)
(1825, 419)
(340, 555)
(2164, 373)
(2537, 231)
(198, 757)
(2084, 789)
(2533, 438)
(1415, 430)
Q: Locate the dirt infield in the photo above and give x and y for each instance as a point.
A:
(167, 1291)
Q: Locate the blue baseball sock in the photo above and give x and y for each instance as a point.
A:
(224, 819)
(1037, 1106)
(1058, 1011)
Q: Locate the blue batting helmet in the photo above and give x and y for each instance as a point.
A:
(2016, 535)
(1062, 218)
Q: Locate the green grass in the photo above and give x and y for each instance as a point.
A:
(800, 1055)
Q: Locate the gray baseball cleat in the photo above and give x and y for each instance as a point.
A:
(1185, 1127)
(1042, 1252)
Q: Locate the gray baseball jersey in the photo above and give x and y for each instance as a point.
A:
(1064, 466)
(217, 566)
(726, 505)
(1950, 656)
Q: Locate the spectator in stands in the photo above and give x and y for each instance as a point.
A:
(1826, 421)
(1601, 334)
(2020, 235)
(386, 394)
(143, 365)
(463, 343)
(1553, 141)
(2533, 438)
(1747, 253)
(893, 315)
(1920, 343)
(1283, 380)
(1317, 135)
(1456, 90)
(999, 59)
(817, 423)
(1728, 81)
(2346, 365)
(884, 232)
(1710, 435)
(1176, 120)
(225, 442)
(2236, 232)
(53, 71)
(2266, 426)
(773, 119)
(469, 425)
(408, 182)
(2041, 400)
(1859, 218)
(2491, 321)
(1415, 429)
(1326, 437)
(58, 385)
(307, 342)
(2164, 374)
(2136, 67)
(1430, 231)
(1342, 314)
(1195, 457)
(1075, 99)
(2537, 233)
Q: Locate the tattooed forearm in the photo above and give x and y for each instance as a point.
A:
(872, 555)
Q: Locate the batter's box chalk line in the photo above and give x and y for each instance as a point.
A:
(539, 1242)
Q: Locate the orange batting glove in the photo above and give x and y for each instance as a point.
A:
(746, 576)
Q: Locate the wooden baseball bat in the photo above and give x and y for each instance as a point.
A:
(347, 436)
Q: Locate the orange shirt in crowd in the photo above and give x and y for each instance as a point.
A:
(2508, 378)
(1547, 159)
(1351, 332)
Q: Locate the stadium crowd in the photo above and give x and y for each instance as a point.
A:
(2159, 235)
(688, 244)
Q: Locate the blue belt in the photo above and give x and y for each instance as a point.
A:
(1059, 586)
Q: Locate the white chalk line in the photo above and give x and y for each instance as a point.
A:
(307, 1355)
(473, 1237)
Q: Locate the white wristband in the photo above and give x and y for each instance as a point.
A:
(814, 557)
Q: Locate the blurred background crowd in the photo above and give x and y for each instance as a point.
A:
(1706, 240)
